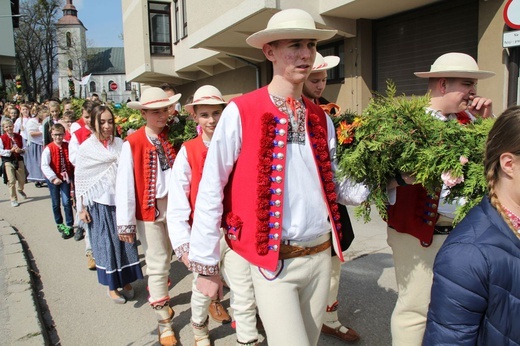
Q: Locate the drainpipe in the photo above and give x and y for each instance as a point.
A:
(257, 69)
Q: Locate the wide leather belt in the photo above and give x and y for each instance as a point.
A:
(292, 251)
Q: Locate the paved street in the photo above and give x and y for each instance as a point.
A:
(77, 311)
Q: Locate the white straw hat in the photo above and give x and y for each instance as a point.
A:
(205, 95)
(154, 98)
(289, 24)
(455, 65)
(324, 63)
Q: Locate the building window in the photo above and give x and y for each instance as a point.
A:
(128, 86)
(336, 74)
(184, 20)
(181, 22)
(92, 86)
(69, 39)
(160, 28)
(71, 67)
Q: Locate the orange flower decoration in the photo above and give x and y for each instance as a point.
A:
(345, 131)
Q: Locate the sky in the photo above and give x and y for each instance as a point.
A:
(103, 20)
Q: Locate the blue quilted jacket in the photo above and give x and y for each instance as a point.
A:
(475, 297)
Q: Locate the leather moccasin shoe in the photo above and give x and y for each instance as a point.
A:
(343, 333)
(218, 313)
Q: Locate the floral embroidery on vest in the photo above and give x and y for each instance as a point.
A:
(265, 168)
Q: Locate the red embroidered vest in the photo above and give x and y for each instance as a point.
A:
(196, 152)
(414, 213)
(6, 141)
(145, 170)
(55, 163)
(253, 197)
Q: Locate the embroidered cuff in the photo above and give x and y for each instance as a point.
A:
(126, 229)
(181, 250)
(204, 269)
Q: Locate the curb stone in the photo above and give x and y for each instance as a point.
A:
(25, 326)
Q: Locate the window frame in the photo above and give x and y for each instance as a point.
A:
(167, 13)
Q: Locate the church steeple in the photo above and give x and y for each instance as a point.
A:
(70, 15)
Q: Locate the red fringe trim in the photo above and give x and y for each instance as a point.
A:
(319, 143)
(265, 159)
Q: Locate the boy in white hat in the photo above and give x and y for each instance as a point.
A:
(414, 240)
(268, 180)
(206, 109)
(313, 89)
(141, 198)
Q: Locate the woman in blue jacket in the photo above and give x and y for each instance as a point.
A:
(475, 298)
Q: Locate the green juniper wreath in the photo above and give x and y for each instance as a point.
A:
(395, 134)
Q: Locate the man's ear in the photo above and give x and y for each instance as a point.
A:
(442, 85)
(268, 51)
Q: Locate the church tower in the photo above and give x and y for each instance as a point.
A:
(72, 51)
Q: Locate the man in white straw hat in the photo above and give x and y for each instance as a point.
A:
(317, 81)
(313, 89)
(141, 198)
(415, 241)
(268, 180)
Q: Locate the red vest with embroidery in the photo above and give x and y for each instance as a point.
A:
(55, 163)
(196, 152)
(6, 141)
(414, 212)
(253, 197)
(144, 154)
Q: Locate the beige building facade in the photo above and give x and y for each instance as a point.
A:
(189, 43)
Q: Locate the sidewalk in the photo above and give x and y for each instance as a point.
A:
(19, 312)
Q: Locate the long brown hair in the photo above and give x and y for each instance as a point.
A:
(95, 119)
(504, 137)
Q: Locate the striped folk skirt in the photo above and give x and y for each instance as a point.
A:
(117, 262)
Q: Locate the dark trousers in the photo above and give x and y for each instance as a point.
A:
(61, 193)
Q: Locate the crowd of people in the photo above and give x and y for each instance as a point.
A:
(230, 206)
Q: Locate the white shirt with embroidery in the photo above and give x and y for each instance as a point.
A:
(125, 186)
(305, 214)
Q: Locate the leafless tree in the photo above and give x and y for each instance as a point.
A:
(35, 45)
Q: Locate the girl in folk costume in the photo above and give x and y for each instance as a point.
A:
(21, 123)
(13, 168)
(141, 197)
(95, 179)
(58, 172)
(35, 147)
(206, 108)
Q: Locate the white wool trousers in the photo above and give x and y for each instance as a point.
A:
(237, 273)
(157, 249)
(292, 303)
(414, 274)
